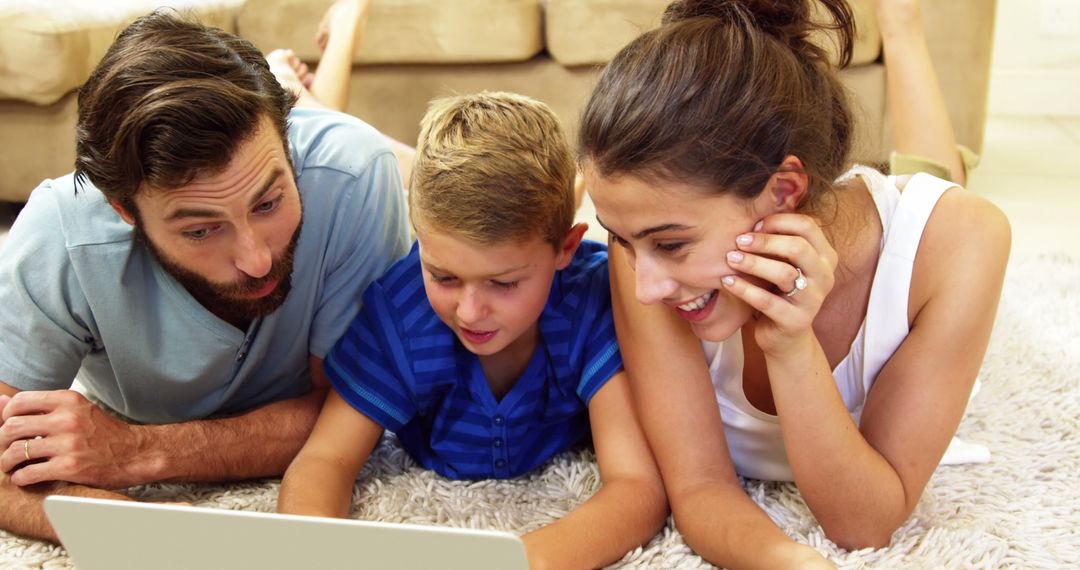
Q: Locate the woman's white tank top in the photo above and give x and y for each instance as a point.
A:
(753, 436)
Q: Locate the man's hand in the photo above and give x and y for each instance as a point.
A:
(61, 436)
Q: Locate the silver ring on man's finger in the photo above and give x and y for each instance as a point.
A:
(800, 283)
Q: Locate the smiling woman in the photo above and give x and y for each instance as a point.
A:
(842, 316)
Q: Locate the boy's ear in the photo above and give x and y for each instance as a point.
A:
(570, 244)
(788, 186)
(124, 214)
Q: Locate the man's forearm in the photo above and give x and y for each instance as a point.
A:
(22, 509)
(259, 443)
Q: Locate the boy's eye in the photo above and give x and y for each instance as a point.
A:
(505, 284)
(441, 278)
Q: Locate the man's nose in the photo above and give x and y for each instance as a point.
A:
(252, 253)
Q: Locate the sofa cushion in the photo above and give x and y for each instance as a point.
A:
(585, 32)
(50, 47)
(406, 31)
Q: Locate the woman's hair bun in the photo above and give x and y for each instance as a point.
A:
(791, 21)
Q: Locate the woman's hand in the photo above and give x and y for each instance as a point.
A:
(787, 268)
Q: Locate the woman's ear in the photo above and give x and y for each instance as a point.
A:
(788, 186)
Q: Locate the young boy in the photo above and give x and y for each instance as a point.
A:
(490, 347)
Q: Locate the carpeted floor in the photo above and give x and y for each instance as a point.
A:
(1022, 510)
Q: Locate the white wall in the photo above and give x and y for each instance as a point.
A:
(1036, 60)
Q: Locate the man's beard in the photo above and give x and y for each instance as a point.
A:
(229, 301)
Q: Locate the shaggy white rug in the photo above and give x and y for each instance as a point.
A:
(1021, 510)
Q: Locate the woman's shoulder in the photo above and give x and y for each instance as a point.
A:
(966, 241)
(963, 222)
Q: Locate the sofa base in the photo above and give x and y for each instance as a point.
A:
(40, 141)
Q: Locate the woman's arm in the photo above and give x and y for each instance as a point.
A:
(919, 397)
(627, 511)
(320, 480)
(681, 419)
(862, 483)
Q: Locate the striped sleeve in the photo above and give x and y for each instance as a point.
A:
(368, 367)
(602, 358)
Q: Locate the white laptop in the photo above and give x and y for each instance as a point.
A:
(120, 535)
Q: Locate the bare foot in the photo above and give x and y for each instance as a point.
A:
(302, 71)
(281, 65)
(293, 75)
(343, 16)
(898, 17)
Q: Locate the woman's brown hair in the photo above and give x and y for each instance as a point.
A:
(721, 93)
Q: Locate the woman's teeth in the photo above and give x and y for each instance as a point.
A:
(697, 304)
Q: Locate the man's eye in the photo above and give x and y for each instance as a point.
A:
(505, 284)
(197, 235)
(267, 206)
(620, 241)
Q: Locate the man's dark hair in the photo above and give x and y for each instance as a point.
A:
(172, 100)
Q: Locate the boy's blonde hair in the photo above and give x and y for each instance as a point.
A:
(493, 167)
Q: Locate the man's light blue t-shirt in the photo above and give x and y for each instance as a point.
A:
(79, 296)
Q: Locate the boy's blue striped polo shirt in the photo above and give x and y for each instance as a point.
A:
(401, 366)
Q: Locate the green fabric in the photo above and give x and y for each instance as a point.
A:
(900, 163)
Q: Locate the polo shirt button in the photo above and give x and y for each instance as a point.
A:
(500, 463)
(498, 420)
(498, 442)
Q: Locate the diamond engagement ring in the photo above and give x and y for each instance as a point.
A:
(800, 283)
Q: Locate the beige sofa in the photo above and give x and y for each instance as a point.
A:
(418, 49)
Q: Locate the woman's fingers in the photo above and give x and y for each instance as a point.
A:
(794, 226)
(782, 274)
(786, 315)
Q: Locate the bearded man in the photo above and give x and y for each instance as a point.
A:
(210, 247)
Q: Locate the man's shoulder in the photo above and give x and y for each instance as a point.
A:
(322, 139)
(77, 213)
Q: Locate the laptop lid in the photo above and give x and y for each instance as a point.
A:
(102, 534)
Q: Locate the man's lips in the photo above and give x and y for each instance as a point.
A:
(264, 290)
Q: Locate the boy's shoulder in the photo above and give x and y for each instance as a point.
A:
(400, 291)
(581, 292)
(587, 268)
(404, 270)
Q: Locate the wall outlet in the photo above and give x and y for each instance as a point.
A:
(1059, 17)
